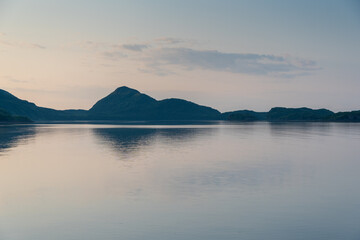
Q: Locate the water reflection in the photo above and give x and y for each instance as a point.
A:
(131, 140)
(219, 159)
(11, 136)
(234, 181)
(300, 129)
(247, 175)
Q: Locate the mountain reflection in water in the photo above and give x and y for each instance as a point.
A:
(228, 181)
(11, 136)
(131, 140)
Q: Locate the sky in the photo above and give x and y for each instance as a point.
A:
(230, 55)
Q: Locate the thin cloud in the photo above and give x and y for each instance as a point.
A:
(160, 58)
(169, 40)
(157, 71)
(93, 45)
(114, 55)
(255, 64)
(19, 44)
(172, 42)
(35, 45)
(135, 47)
(14, 80)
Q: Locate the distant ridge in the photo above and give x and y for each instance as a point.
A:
(282, 114)
(123, 104)
(18, 107)
(129, 104)
(298, 114)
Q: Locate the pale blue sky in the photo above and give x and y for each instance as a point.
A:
(227, 54)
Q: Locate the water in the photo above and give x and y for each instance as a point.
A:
(215, 181)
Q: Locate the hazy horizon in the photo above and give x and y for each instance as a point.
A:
(228, 55)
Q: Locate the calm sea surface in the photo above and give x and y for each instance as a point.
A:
(254, 181)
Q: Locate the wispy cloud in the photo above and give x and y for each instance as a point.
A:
(135, 47)
(35, 45)
(163, 57)
(19, 44)
(170, 40)
(14, 80)
(93, 45)
(114, 55)
(256, 64)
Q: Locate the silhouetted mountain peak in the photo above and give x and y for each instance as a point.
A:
(125, 93)
(130, 104)
(125, 90)
(121, 101)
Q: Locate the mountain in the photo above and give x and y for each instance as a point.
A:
(353, 116)
(6, 117)
(18, 107)
(125, 104)
(129, 104)
(244, 115)
(298, 114)
(277, 114)
(122, 104)
(179, 109)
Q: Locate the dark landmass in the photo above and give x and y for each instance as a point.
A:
(298, 114)
(18, 107)
(129, 104)
(6, 117)
(244, 115)
(353, 116)
(281, 114)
